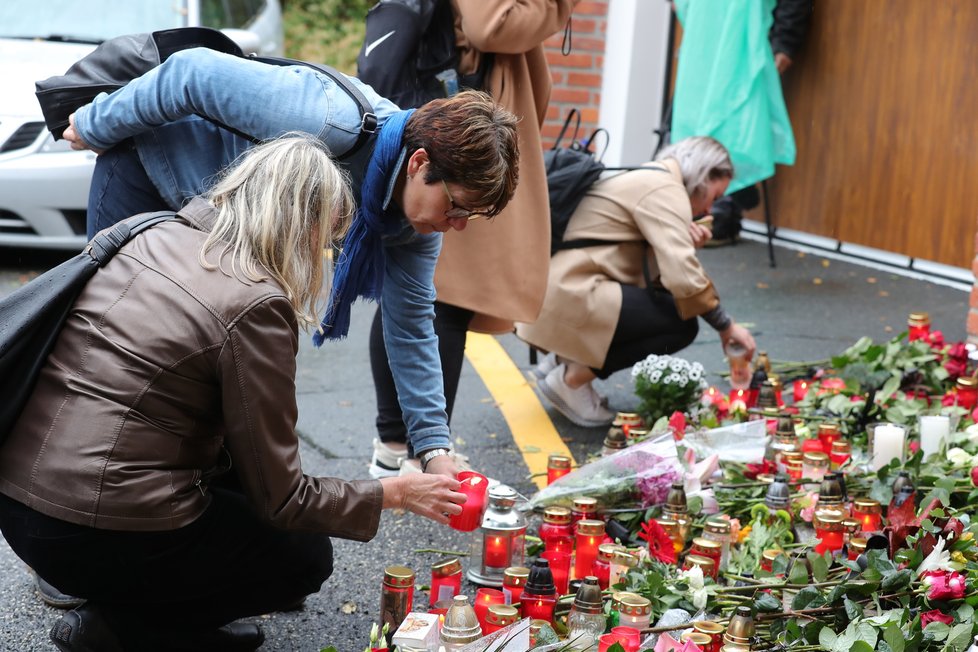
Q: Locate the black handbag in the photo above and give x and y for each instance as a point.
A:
(32, 316)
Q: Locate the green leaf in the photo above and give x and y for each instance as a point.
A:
(798, 574)
(807, 597)
(767, 602)
(893, 636)
(827, 638)
(960, 636)
(862, 646)
(896, 580)
(965, 613)
(853, 610)
(936, 631)
(820, 567)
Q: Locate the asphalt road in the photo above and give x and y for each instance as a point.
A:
(807, 308)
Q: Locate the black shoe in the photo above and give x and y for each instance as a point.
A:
(54, 597)
(84, 630)
(235, 637)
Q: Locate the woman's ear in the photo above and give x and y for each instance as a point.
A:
(416, 161)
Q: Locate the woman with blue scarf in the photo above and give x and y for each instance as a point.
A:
(421, 174)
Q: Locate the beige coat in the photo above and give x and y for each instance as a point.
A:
(651, 211)
(499, 268)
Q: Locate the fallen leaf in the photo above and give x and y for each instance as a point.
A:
(826, 262)
(531, 449)
(349, 607)
(492, 435)
(884, 293)
(871, 279)
(888, 329)
(460, 441)
(488, 399)
(801, 254)
(762, 286)
(817, 281)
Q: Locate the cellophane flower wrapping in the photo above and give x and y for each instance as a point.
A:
(640, 475)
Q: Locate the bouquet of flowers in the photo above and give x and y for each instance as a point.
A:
(665, 384)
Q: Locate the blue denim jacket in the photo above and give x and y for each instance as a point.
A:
(182, 152)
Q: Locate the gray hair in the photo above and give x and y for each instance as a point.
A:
(701, 159)
(279, 206)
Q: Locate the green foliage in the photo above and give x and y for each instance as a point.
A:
(326, 31)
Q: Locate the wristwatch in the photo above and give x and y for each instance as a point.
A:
(427, 456)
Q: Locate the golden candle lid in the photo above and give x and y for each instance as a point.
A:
(516, 575)
(796, 454)
(765, 477)
(966, 382)
(667, 524)
(636, 433)
(707, 544)
(867, 506)
(502, 614)
(624, 558)
(851, 525)
(817, 458)
(557, 515)
(705, 563)
(841, 447)
(708, 627)
(858, 544)
(717, 524)
(829, 428)
(558, 462)
(447, 567)
(696, 638)
(630, 418)
(772, 553)
(591, 528)
(918, 319)
(607, 550)
(617, 596)
(585, 504)
(632, 604)
(828, 519)
(398, 576)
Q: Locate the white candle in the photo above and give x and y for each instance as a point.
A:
(934, 431)
(887, 443)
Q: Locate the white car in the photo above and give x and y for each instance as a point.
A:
(43, 183)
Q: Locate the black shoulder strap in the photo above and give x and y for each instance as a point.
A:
(368, 119)
(107, 244)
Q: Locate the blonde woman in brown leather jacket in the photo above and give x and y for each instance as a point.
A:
(176, 365)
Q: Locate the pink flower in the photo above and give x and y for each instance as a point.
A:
(914, 446)
(809, 503)
(831, 386)
(944, 585)
(935, 616)
(974, 475)
(677, 423)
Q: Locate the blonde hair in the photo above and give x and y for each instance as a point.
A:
(701, 159)
(278, 207)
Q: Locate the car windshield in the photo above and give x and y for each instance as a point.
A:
(88, 20)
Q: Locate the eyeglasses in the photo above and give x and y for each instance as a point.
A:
(458, 212)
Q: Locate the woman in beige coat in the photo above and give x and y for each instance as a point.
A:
(610, 305)
(497, 274)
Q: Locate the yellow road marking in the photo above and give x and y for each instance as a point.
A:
(533, 432)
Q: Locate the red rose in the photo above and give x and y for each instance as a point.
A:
(935, 616)
(944, 585)
(974, 475)
(765, 467)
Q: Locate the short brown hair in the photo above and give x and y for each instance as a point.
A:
(470, 141)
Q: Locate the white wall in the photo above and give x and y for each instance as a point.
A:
(634, 78)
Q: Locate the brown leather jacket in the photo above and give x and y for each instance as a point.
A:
(161, 366)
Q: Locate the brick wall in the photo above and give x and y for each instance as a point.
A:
(577, 76)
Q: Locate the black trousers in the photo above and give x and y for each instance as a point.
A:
(451, 327)
(224, 566)
(648, 323)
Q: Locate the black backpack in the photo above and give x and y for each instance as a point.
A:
(409, 54)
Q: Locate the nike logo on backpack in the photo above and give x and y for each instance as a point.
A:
(369, 48)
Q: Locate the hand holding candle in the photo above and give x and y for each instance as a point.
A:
(474, 486)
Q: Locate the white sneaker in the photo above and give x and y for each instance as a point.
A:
(582, 406)
(386, 461)
(545, 366)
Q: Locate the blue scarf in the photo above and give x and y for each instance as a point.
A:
(359, 271)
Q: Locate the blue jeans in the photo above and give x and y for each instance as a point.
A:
(120, 189)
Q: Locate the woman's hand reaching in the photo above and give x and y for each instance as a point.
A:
(430, 495)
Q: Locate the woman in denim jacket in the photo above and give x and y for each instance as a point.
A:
(428, 171)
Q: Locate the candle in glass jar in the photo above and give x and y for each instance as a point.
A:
(841, 450)
(499, 616)
(706, 548)
(799, 389)
(888, 443)
(829, 531)
(560, 563)
(539, 594)
(514, 579)
(484, 598)
(718, 529)
(856, 546)
(397, 595)
(934, 431)
(671, 526)
(704, 563)
(634, 611)
(966, 390)
(869, 514)
(918, 326)
(556, 524)
(602, 565)
(622, 561)
(814, 466)
(828, 433)
(583, 507)
(589, 535)
(446, 580)
(768, 557)
(474, 486)
(557, 467)
(712, 629)
(496, 553)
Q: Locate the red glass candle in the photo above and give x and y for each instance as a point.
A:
(705, 563)
(500, 616)
(739, 400)
(474, 486)
(538, 607)
(484, 598)
(799, 389)
(841, 450)
(557, 467)
(828, 434)
(602, 565)
(514, 579)
(710, 549)
(966, 389)
(869, 514)
(712, 629)
(795, 469)
(813, 445)
(588, 537)
(829, 532)
(560, 563)
(397, 595)
(768, 557)
(496, 552)
(856, 546)
(629, 637)
(918, 326)
(556, 525)
(446, 580)
(583, 507)
(561, 544)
